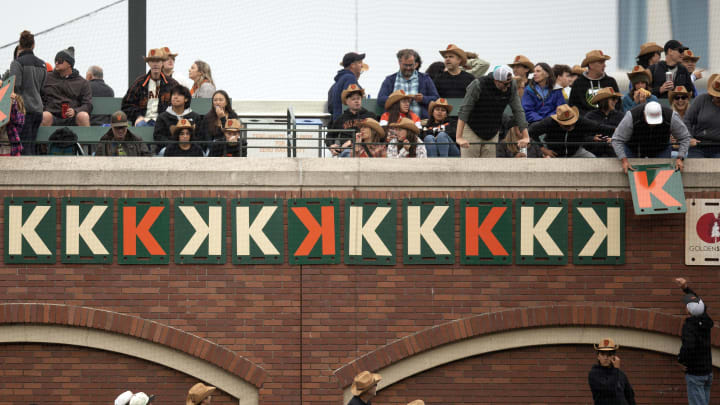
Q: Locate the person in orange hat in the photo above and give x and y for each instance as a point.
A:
(609, 384)
(452, 82)
(364, 387)
(703, 121)
(591, 81)
(149, 95)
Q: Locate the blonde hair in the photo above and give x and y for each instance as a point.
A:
(205, 72)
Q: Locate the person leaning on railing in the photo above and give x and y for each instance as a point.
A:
(233, 143)
(119, 141)
(566, 132)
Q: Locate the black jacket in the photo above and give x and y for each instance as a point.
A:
(610, 386)
(695, 350)
(583, 89)
(347, 120)
(168, 118)
(566, 143)
(682, 78)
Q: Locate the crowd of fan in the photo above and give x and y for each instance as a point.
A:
(558, 111)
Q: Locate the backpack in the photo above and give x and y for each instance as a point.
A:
(63, 142)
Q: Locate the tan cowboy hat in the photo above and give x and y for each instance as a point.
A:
(452, 48)
(639, 74)
(606, 344)
(353, 88)
(566, 115)
(649, 47)
(372, 124)
(714, 85)
(181, 124)
(363, 382)
(396, 96)
(170, 54)
(678, 90)
(604, 93)
(365, 67)
(406, 123)
(441, 102)
(689, 55)
(198, 392)
(595, 55)
(578, 70)
(233, 125)
(417, 402)
(156, 54)
(522, 60)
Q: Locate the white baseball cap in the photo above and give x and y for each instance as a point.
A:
(653, 113)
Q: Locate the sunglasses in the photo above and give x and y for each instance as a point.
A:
(59, 61)
(681, 97)
(607, 353)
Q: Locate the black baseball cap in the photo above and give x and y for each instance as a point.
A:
(675, 44)
(352, 57)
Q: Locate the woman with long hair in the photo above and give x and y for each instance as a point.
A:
(640, 79)
(541, 98)
(203, 84)
(369, 141)
(405, 142)
(438, 133)
(220, 111)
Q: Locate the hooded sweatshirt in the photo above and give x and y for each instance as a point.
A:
(30, 74)
(168, 118)
(347, 120)
(584, 88)
(610, 386)
(695, 350)
(74, 90)
(343, 79)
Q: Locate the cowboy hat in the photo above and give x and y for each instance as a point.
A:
(233, 125)
(606, 344)
(396, 96)
(714, 85)
(198, 392)
(183, 123)
(156, 54)
(578, 70)
(452, 48)
(595, 55)
(566, 115)
(522, 60)
(169, 54)
(406, 123)
(364, 382)
(649, 47)
(689, 55)
(639, 74)
(678, 90)
(417, 402)
(604, 93)
(441, 102)
(353, 88)
(372, 124)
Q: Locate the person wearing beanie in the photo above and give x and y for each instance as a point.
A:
(30, 74)
(695, 357)
(67, 97)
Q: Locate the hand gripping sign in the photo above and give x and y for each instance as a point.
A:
(657, 189)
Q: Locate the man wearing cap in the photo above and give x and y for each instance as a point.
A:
(149, 95)
(480, 116)
(677, 72)
(645, 132)
(353, 67)
(363, 388)
(350, 119)
(695, 357)
(67, 98)
(591, 81)
(411, 81)
(453, 81)
(609, 385)
(565, 131)
(119, 141)
(168, 69)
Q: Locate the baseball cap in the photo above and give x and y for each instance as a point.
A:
(352, 57)
(119, 119)
(674, 44)
(694, 304)
(653, 113)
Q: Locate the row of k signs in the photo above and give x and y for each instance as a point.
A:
(312, 236)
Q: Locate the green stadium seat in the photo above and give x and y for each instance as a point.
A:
(108, 105)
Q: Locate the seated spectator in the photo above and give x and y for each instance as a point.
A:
(119, 141)
(98, 88)
(214, 120)
(149, 95)
(640, 80)
(179, 108)
(689, 60)
(369, 141)
(541, 98)
(406, 135)
(649, 54)
(703, 121)
(476, 66)
(452, 82)
(438, 133)
(168, 69)
(10, 143)
(397, 107)
(353, 67)
(670, 73)
(563, 79)
(203, 85)
(590, 82)
(409, 80)
(679, 100)
(183, 133)
(566, 131)
(349, 120)
(606, 100)
(67, 99)
(233, 143)
(509, 148)
(521, 68)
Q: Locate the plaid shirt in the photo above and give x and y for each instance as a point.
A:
(14, 127)
(394, 152)
(409, 86)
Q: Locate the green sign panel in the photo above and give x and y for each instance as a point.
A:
(87, 230)
(313, 229)
(657, 189)
(258, 234)
(541, 229)
(370, 229)
(6, 90)
(428, 230)
(200, 230)
(143, 231)
(598, 231)
(485, 231)
(30, 230)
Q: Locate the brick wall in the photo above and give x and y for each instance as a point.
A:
(301, 323)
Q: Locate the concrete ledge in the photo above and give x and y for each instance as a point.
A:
(336, 174)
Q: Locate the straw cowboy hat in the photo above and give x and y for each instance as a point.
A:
(417, 402)
(578, 70)
(714, 85)
(604, 93)
(441, 102)
(364, 382)
(649, 47)
(372, 124)
(595, 55)
(678, 90)
(353, 88)
(396, 96)
(183, 123)
(689, 55)
(233, 125)
(198, 393)
(452, 48)
(566, 115)
(169, 54)
(522, 60)
(606, 344)
(156, 54)
(640, 74)
(406, 123)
